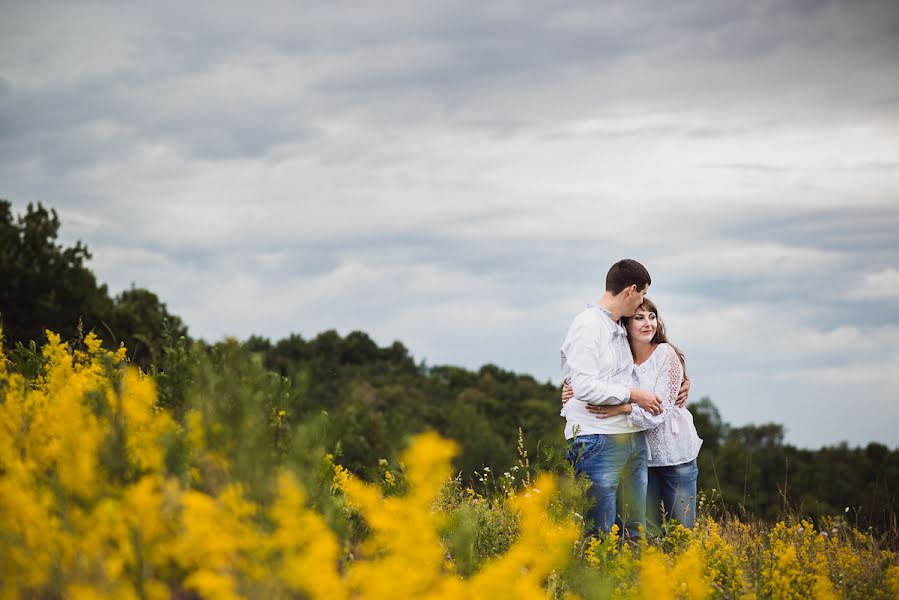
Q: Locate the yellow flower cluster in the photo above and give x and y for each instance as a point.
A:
(725, 566)
(735, 560)
(404, 557)
(644, 571)
(795, 565)
(79, 456)
(90, 509)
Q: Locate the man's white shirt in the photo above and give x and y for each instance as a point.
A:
(597, 363)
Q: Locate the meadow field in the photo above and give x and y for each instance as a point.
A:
(106, 492)
(283, 290)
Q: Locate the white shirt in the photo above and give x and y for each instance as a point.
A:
(597, 363)
(671, 436)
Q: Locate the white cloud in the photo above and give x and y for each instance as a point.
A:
(882, 285)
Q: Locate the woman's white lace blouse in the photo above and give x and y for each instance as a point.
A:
(671, 436)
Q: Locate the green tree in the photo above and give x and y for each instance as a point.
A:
(144, 325)
(479, 443)
(45, 285)
(709, 425)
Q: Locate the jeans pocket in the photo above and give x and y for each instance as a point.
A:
(581, 449)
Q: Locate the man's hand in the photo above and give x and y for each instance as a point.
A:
(567, 393)
(604, 411)
(648, 401)
(682, 394)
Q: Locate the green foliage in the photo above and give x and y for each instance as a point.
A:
(478, 527)
(377, 398)
(754, 473)
(144, 325)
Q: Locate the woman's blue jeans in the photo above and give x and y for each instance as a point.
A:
(671, 494)
(616, 467)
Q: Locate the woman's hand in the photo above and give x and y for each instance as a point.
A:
(683, 393)
(567, 393)
(604, 412)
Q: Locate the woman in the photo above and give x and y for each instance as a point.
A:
(671, 436)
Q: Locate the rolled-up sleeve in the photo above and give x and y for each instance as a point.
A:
(582, 367)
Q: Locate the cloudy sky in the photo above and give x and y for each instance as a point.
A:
(459, 176)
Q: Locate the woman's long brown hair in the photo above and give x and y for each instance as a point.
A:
(660, 337)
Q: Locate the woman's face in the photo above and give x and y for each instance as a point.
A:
(642, 326)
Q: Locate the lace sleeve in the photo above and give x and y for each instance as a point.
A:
(668, 380)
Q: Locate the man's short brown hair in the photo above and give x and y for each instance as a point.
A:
(626, 273)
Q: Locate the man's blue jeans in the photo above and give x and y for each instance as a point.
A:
(616, 467)
(671, 494)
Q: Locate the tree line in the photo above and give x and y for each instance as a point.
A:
(369, 400)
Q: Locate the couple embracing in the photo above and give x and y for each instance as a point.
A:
(624, 395)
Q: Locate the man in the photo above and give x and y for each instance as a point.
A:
(597, 363)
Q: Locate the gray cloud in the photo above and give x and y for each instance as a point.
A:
(459, 176)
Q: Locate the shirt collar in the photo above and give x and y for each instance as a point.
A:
(616, 327)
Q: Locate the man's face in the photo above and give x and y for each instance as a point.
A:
(634, 300)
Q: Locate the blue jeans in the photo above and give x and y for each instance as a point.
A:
(671, 494)
(616, 467)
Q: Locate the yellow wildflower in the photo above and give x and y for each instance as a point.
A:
(307, 551)
(341, 477)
